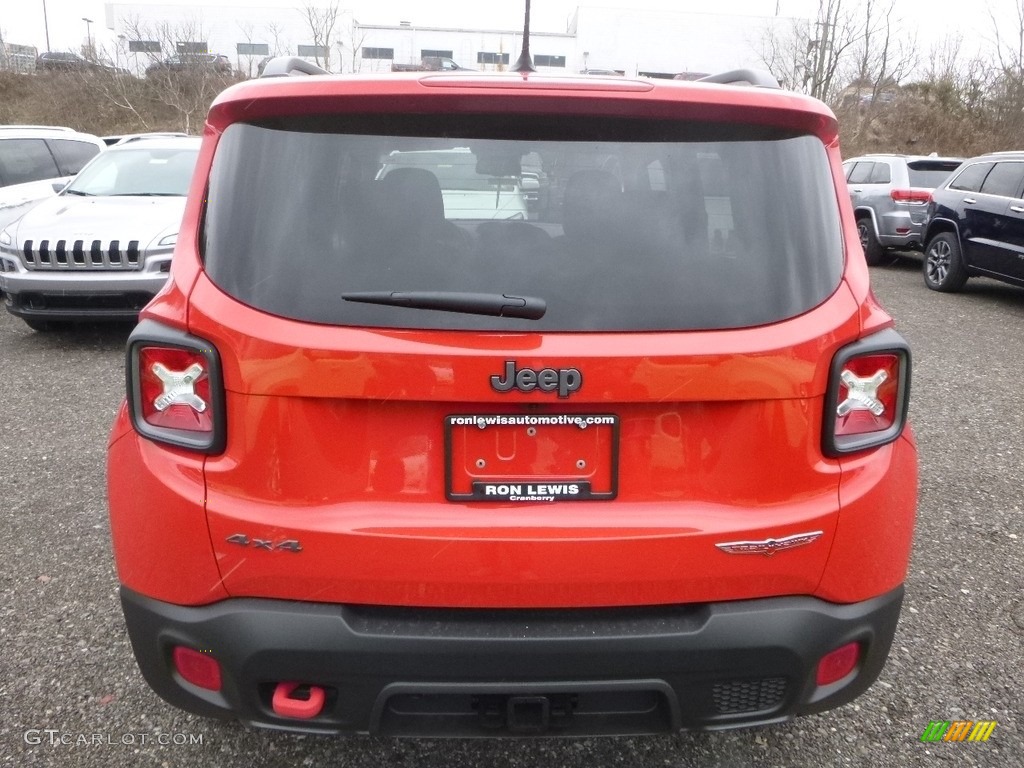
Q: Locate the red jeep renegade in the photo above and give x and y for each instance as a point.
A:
(484, 404)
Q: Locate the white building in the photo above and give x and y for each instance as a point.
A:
(630, 41)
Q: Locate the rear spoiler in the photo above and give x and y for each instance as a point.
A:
(287, 66)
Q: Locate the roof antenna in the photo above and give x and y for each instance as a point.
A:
(525, 62)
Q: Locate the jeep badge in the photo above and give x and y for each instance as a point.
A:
(565, 380)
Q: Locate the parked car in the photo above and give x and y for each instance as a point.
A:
(430, 64)
(62, 61)
(975, 224)
(68, 61)
(639, 464)
(101, 248)
(192, 62)
(36, 158)
(889, 195)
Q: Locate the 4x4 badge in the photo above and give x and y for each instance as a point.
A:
(285, 545)
(769, 547)
(564, 380)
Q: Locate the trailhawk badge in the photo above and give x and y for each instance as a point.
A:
(769, 547)
(562, 380)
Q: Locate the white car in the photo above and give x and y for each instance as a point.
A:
(101, 248)
(33, 159)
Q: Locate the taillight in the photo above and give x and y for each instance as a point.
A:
(913, 196)
(868, 394)
(175, 392)
(175, 387)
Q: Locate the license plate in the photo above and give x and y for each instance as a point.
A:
(531, 457)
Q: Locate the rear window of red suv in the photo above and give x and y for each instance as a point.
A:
(591, 224)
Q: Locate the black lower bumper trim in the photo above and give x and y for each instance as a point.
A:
(71, 307)
(433, 672)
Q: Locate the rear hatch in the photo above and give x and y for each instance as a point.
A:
(924, 175)
(600, 404)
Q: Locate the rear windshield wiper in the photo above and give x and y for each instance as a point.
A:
(497, 304)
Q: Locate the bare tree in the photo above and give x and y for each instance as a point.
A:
(185, 81)
(249, 36)
(809, 58)
(117, 88)
(1007, 94)
(880, 60)
(353, 44)
(278, 47)
(885, 56)
(1010, 46)
(321, 21)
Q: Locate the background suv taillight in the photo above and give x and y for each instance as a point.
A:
(868, 394)
(912, 196)
(175, 388)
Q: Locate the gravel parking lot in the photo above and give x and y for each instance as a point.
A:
(70, 693)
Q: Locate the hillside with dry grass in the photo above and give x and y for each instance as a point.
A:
(104, 103)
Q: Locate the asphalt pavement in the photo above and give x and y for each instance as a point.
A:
(70, 693)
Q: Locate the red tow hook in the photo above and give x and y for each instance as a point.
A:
(286, 705)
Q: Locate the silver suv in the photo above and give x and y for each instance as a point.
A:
(890, 195)
(33, 158)
(101, 248)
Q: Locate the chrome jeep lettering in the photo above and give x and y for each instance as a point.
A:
(563, 380)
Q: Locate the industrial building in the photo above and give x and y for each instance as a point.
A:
(629, 41)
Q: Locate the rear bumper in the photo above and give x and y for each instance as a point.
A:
(901, 229)
(470, 672)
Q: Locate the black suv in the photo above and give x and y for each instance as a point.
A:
(62, 61)
(192, 62)
(975, 223)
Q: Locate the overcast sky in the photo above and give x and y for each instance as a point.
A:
(21, 21)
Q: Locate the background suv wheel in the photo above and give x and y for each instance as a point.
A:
(943, 266)
(868, 241)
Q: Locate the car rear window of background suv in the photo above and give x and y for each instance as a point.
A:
(929, 174)
(631, 225)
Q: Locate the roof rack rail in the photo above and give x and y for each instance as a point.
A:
(153, 135)
(36, 128)
(756, 77)
(286, 66)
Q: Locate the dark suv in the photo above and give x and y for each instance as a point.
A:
(975, 224)
(889, 195)
(634, 458)
(62, 61)
(191, 62)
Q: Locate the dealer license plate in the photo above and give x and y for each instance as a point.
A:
(531, 457)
